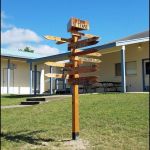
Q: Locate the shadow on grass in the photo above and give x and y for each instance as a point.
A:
(26, 136)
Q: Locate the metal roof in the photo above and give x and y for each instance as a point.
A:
(19, 54)
(136, 38)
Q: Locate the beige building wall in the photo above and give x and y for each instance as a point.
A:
(107, 67)
(3, 76)
(19, 77)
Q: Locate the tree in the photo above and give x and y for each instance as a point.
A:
(27, 49)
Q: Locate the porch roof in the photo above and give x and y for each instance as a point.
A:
(19, 54)
(133, 39)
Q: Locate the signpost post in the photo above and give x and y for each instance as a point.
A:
(73, 68)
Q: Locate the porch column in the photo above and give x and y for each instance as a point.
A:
(8, 76)
(64, 81)
(51, 81)
(56, 83)
(123, 72)
(30, 78)
(42, 81)
(35, 78)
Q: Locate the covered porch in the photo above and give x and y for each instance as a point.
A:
(122, 61)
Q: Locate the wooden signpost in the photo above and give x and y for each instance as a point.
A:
(73, 68)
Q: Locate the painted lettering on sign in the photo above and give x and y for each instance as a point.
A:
(77, 24)
(92, 60)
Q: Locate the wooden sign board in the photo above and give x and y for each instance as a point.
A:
(83, 43)
(55, 64)
(77, 24)
(55, 38)
(92, 60)
(65, 76)
(83, 80)
(96, 54)
(83, 69)
(85, 52)
(82, 34)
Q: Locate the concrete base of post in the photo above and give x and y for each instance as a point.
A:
(75, 135)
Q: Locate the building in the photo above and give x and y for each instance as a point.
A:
(125, 60)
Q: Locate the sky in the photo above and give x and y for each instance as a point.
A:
(25, 22)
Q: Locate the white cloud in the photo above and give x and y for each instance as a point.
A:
(39, 49)
(15, 35)
(45, 49)
(15, 38)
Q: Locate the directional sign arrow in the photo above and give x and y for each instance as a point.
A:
(83, 80)
(55, 64)
(65, 76)
(92, 60)
(82, 34)
(96, 54)
(83, 69)
(83, 43)
(58, 39)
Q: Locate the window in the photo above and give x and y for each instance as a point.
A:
(147, 66)
(118, 69)
(131, 68)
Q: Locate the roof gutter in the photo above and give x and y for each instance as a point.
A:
(65, 56)
(133, 41)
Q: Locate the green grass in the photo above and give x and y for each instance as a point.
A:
(12, 99)
(6, 101)
(107, 122)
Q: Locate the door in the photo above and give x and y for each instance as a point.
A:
(4, 80)
(37, 81)
(146, 73)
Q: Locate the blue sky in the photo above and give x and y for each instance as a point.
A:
(28, 20)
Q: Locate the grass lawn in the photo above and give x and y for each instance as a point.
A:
(13, 99)
(6, 101)
(107, 122)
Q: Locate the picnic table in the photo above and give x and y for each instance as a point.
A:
(85, 86)
(110, 86)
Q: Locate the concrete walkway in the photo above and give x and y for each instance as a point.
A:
(14, 106)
